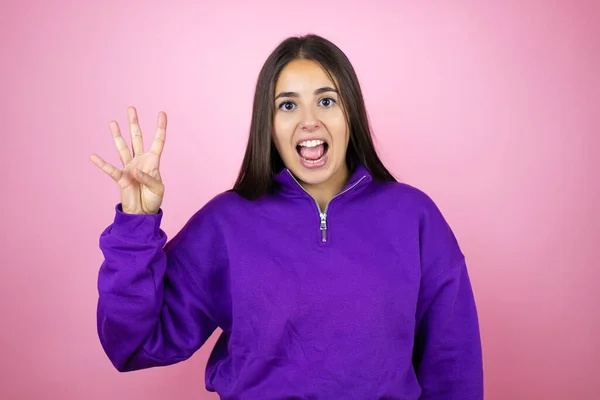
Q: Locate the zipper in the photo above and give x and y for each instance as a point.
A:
(323, 214)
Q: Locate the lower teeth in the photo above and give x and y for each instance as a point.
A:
(313, 161)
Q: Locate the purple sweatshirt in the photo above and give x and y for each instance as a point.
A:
(369, 299)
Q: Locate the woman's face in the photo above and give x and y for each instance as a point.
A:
(310, 130)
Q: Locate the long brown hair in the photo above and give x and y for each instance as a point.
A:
(261, 159)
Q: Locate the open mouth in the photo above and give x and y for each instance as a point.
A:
(312, 151)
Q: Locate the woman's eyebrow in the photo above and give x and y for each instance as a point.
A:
(294, 94)
(325, 89)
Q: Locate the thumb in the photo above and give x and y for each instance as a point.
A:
(148, 180)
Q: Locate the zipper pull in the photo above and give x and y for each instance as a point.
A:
(323, 226)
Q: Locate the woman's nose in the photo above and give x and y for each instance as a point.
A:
(309, 121)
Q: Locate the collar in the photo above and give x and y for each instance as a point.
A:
(286, 183)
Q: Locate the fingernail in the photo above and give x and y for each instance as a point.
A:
(139, 172)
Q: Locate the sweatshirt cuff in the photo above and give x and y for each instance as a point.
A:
(137, 226)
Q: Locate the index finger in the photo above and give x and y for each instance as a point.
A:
(161, 134)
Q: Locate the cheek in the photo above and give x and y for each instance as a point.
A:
(282, 134)
(337, 127)
(283, 127)
(285, 123)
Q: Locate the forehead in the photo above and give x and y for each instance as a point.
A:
(299, 75)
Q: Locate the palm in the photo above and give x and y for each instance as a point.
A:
(139, 195)
(134, 192)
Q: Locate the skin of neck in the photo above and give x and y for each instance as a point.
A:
(324, 192)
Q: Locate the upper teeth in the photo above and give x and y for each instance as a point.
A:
(311, 143)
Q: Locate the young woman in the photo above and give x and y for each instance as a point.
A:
(328, 278)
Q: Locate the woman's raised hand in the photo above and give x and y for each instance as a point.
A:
(139, 180)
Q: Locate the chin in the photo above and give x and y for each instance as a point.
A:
(313, 175)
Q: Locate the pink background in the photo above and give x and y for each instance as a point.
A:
(490, 107)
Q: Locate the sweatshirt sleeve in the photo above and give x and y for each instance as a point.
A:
(152, 311)
(448, 353)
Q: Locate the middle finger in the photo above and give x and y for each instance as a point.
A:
(135, 131)
(122, 148)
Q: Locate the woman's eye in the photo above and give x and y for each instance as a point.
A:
(287, 106)
(327, 102)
